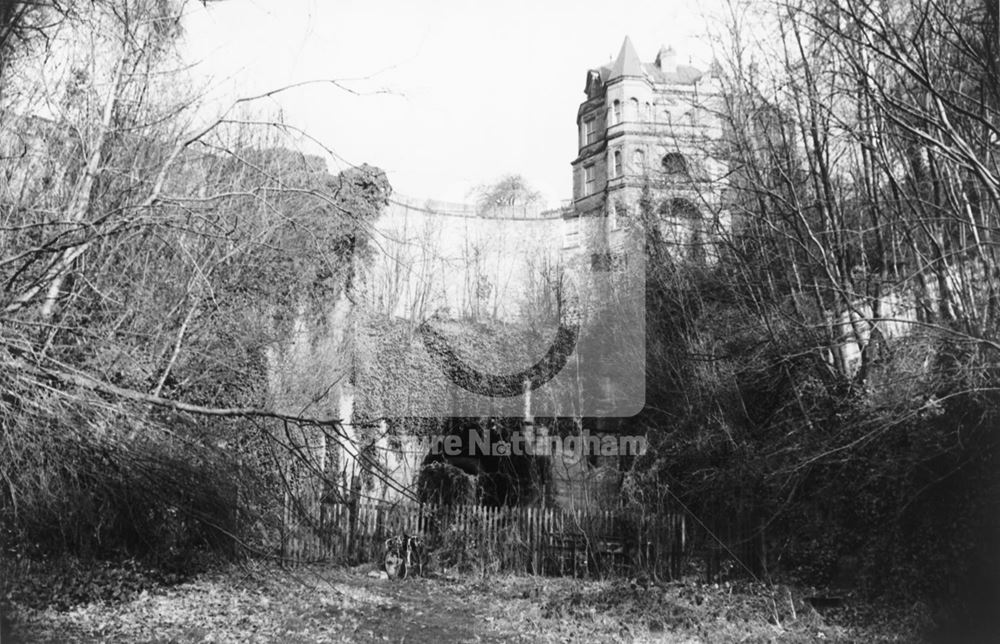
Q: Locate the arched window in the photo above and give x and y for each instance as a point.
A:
(635, 115)
(639, 160)
(616, 163)
(675, 163)
(679, 207)
(616, 112)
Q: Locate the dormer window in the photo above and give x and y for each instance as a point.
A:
(666, 60)
(593, 84)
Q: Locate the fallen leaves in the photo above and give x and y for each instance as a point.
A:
(326, 604)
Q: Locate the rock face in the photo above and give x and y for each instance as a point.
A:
(310, 374)
(497, 300)
(446, 259)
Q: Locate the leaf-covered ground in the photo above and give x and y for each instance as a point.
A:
(328, 604)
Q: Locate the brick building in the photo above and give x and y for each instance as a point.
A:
(649, 139)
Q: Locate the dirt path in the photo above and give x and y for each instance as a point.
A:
(303, 605)
(326, 604)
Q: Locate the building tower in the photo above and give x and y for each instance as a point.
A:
(649, 136)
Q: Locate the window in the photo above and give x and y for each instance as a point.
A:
(600, 262)
(616, 112)
(679, 207)
(590, 131)
(571, 233)
(675, 163)
(639, 160)
(621, 212)
(616, 163)
(589, 176)
(649, 111)
(617, 214)
(635, 115)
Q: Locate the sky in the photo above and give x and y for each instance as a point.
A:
(443, 95)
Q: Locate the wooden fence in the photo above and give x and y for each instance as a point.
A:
(518, 539)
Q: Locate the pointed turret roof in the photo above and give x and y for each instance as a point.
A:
(627, 63)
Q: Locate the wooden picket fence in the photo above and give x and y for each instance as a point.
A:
(534, 540)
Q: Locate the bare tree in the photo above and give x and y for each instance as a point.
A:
(153, 260)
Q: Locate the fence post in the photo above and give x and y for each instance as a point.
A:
(556, 522)
(536, 539)
(352, 517)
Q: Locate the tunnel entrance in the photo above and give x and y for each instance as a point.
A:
(470, 466)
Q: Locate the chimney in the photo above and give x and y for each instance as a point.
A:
(666, 60)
